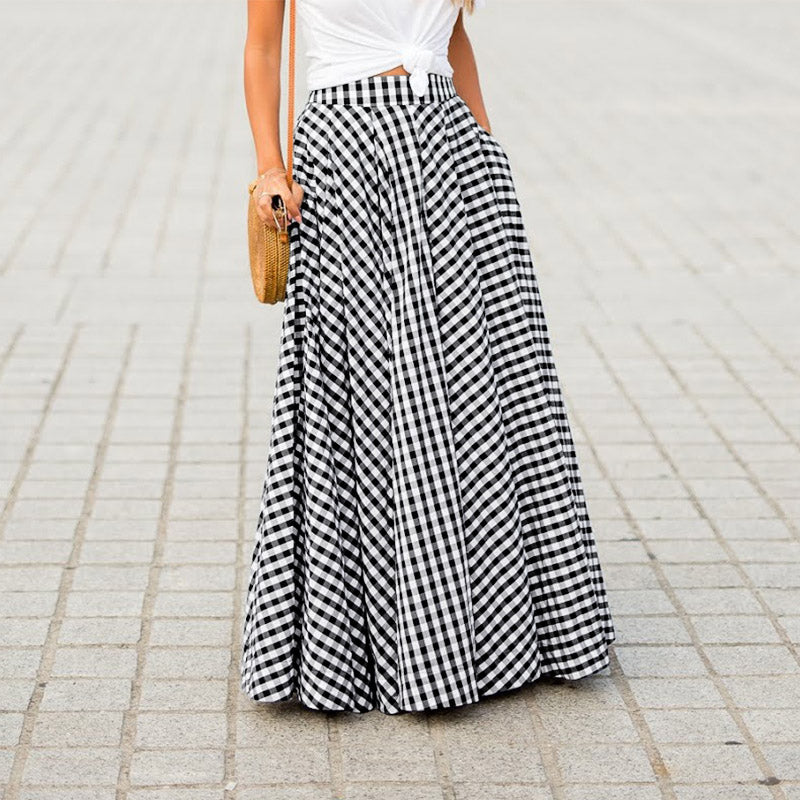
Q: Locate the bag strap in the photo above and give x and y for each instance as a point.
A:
(290, 103)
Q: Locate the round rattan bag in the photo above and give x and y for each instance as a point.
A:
(269, 250)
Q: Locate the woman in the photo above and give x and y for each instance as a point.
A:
(423, 538)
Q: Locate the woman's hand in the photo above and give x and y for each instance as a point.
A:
(274, 182)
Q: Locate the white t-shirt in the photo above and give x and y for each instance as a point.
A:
(350, 39)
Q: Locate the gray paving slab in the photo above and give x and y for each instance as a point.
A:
(656, 154)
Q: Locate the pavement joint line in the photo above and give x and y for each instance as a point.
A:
(699, 646)
(737, 147)
(780, 357)
(719, 43)
(580, 244)
(441, 754)
(152, 139)
(33, 441)
(100, 176)
(651, 747)
(757, 399)
(545, 747)
(130, 717)
(44, 67)
(335, 751)
(50, 645)
(170, 197)
(93, 118)
(733, 559)
(718, 242)
(65, 301)
(242, 531)
(788, 365)
(611, 179)
(583, 188)
(558, 121)
(67, 105)
(657, 764)
(577, 242)
(9, 351)
(733, 452)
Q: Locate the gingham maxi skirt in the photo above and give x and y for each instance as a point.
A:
(423, 539)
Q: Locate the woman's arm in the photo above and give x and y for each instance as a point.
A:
(262, 91)
(262, 86)
(465, 72)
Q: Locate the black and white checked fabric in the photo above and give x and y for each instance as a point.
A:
(423, 538)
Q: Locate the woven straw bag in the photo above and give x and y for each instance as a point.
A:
(269, 247)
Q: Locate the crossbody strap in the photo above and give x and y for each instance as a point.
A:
(290, 100)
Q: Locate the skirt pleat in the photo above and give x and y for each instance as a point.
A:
(423, 539)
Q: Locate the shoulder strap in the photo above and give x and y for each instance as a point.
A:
(290, 99)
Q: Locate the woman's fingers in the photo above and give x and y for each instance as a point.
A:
(264, 206)
(271, 184)
(263, 209)
(291, 202)
(277, 185)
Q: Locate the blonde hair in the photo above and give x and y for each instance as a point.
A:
(469, 5)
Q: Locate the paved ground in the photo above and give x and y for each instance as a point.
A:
(657, 156)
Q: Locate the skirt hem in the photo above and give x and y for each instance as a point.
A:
(293, 697)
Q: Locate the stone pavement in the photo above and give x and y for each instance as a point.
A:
(657, 156)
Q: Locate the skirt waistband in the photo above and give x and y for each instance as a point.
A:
(383, 90)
